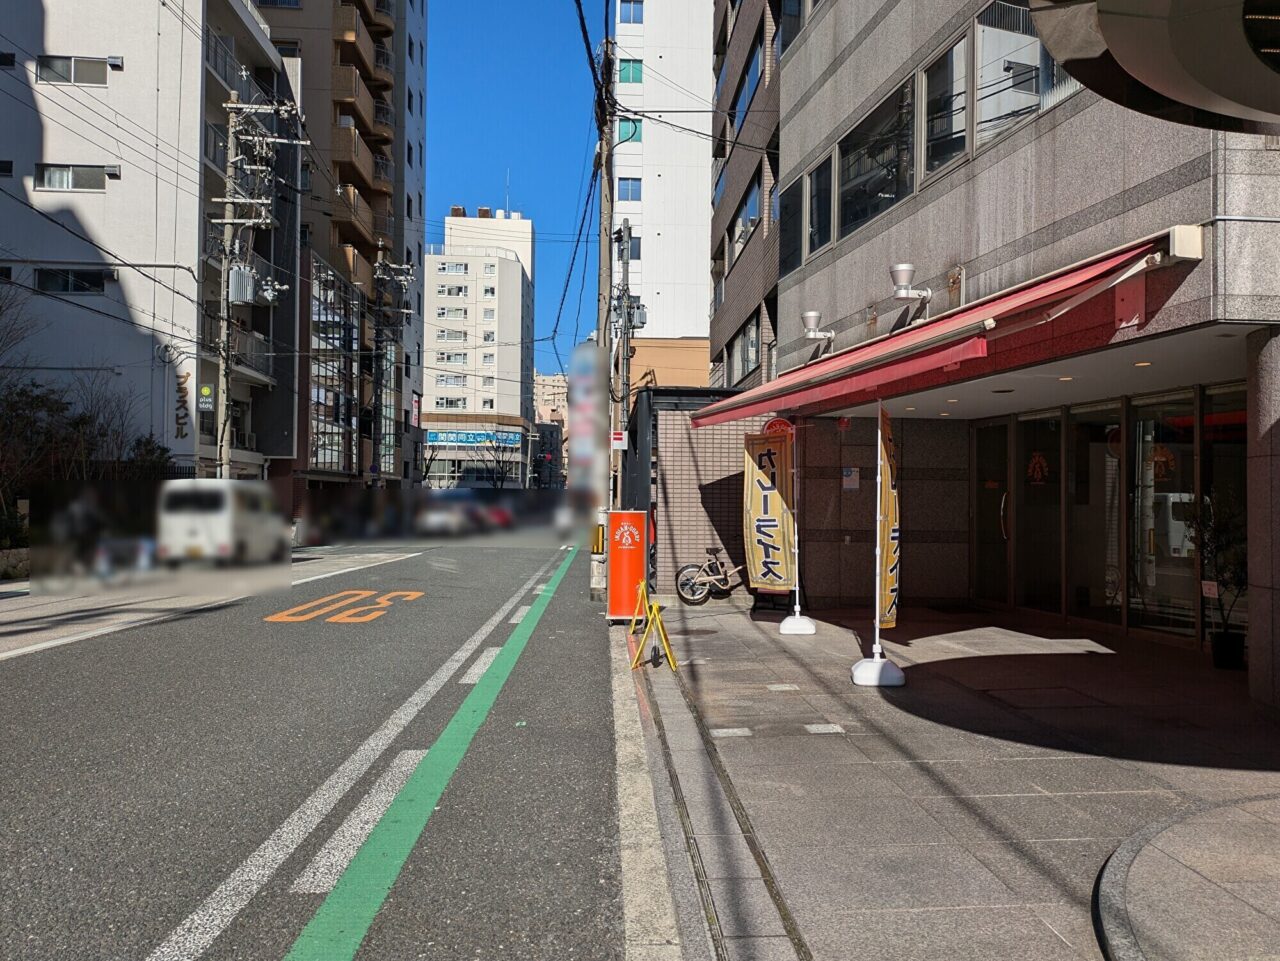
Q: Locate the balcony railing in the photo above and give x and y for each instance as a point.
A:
(384, 113)
(248, 349)
(385, 6)
(384, 226)
(215, 145)
(384, 169)
(383, 58)
(352, 209)
(349, 87)
(349, 148)
(230, 71)
(349, 28)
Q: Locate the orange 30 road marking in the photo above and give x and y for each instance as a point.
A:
(362, 615)
(335, 602)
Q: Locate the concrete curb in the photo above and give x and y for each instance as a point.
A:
(1111, 921)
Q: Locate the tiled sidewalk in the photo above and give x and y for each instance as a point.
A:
(966, 815)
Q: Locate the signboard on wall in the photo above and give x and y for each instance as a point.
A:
(474, 438)
(415, 410)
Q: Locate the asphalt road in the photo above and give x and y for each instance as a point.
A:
(249, 782)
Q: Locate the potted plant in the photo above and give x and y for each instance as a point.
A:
(1218, 530)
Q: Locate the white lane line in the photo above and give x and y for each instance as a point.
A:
(327, 866)
(731, 732)
(476, 671)
(358, 567)
(783, 687)
(193, 936)
(518, 616)
(169, 615)
(824, 728)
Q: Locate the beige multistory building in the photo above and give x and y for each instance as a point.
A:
(478, 379)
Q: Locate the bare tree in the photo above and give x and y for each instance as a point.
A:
(433, 451)
(501, 461)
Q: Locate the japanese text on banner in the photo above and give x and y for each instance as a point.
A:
(768, 527)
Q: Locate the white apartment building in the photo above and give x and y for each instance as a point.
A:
(477, 385)
(662, 174)
(114, 161)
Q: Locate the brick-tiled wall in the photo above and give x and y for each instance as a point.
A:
(698, 492)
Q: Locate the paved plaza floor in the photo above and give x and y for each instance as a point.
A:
(970, 813)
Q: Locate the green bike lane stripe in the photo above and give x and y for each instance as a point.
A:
(340, 924)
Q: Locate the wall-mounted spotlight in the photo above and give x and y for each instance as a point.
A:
(902, 275)
(812, 320)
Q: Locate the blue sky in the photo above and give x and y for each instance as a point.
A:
(508, 89)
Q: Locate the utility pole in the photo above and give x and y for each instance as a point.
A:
(624, 314)
(222, 406)
(604, 307)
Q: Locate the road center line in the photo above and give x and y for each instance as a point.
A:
(518, 616)
(339, 926)
(327, 866)
(194, 935)
(476, 671)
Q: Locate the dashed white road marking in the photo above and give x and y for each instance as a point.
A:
(731, 732)
(784, 687)
(518, 616)
(358, 567)
(192, 937)
(327, 866)
(824, 728)
(476, 670)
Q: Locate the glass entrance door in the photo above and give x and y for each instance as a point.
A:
(991, 513)
(1038, 513)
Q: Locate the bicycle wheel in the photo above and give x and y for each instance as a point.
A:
(688, 587)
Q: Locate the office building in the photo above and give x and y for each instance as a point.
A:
(478, 409)
(1077, 344)
(662, 160)
(115, 156)
(744, 222)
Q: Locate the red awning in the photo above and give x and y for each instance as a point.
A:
(952, 338)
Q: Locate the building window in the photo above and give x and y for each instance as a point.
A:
(490, 270)
(1016, 77)
(69, 177)
(409, 199)
(743, 352)
(490, 291)
(59, 281)
(78, 70)
(486, 403)
(451, 313)
(790, 23)
(791, 228)
(451, 380)
(444, 267)
(453, 358)
(304, 234)
(747, 85)
(8, 60)
(630, 130)
(451, 403)
(744, 219)
(445, 333)
(6, 275)
(489, 336)
(820, 206)
(490, 313)
(6, 168)
(630, 71)
(717, 192)
(628, 188)
(631, 11)
(946, 95)
(877, 161)
(287, 48)
(634, 252)
(488, 381)
(489, 359)
(452, 290)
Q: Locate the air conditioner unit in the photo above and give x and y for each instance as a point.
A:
(115, 63)
(112, 172)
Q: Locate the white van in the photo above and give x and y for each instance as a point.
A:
(226, 521)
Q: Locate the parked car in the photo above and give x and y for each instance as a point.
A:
(224, 521)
